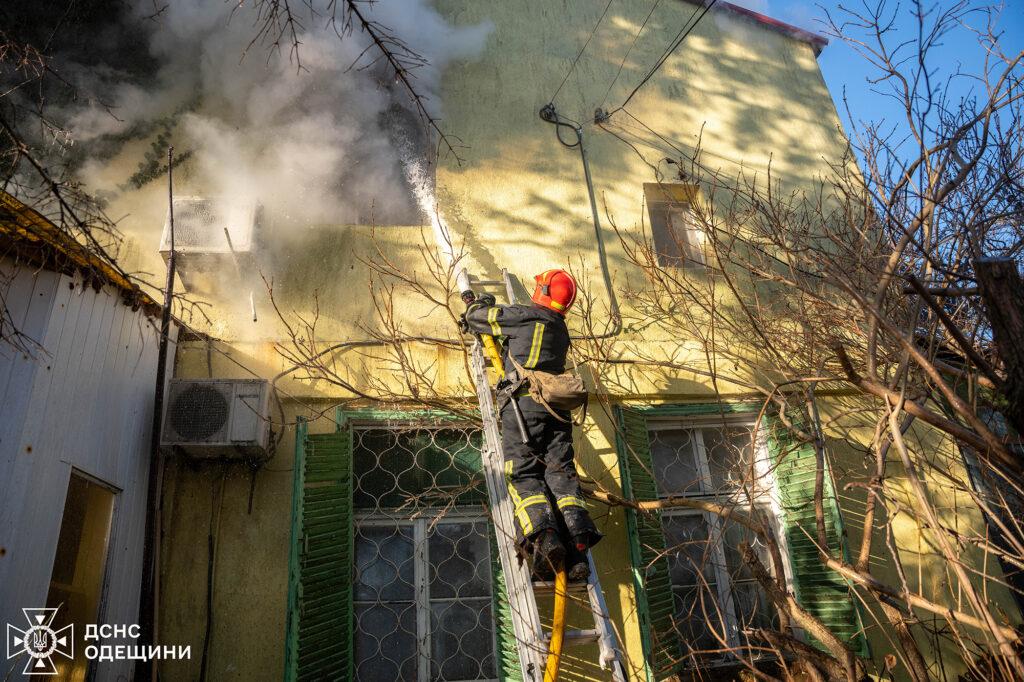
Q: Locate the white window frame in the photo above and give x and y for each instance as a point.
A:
(421, 524)
(768, 501)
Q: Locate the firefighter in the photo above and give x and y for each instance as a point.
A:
(541, 474)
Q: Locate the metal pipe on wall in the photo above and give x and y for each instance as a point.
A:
(149, 602)
(549, 114)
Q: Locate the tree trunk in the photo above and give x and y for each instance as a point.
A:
(1002, 290)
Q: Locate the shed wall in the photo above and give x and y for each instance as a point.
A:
(84, 401)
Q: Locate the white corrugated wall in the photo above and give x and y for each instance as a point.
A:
(84, 401)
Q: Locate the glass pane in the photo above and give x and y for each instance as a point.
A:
(384, 471)
(749, 600)
(728, 451)
(417, 467)
(685, 232)
(384, 563)
(451, 461)
(752, 607)
(675, 464)
(696, 611)
(666, 247)
(78, 567)
(734, 535)
(385, 642)
(460, 561)
(689, 553)
(461, 640)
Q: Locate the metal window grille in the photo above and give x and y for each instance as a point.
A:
(423, 584)
(716, 598)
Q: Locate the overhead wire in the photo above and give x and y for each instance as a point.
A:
(628, 51)
(582, 50)
(684, 32)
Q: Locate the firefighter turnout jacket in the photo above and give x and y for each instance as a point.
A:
(538, 338)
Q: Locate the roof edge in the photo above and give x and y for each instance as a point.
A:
(815, 40)
(29, 235)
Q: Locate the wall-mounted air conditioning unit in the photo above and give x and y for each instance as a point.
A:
(212, 237)
(217, 418)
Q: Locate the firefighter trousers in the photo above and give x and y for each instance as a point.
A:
(541, 475)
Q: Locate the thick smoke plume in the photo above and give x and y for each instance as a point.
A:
(316, 137)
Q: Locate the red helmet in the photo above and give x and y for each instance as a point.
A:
(556, 289)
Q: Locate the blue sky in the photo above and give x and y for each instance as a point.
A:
(843, 68)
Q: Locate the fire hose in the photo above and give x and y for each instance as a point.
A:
(557, 627)
(554, 659)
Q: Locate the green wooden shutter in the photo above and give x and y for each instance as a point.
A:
(320, 614)
(507, 649)
(817, 588)
(647, 548)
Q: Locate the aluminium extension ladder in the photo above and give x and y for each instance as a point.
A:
(522, 590)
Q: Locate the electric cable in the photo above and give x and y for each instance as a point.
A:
(673, 46)
(582, 50)
(628, 51)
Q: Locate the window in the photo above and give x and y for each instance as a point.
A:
(715, 597)
(423, 600)
(393, 569)
(696, 600)
(76, 582)
(422, 592)
(678, 239)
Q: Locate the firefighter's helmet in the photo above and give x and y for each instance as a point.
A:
(556, 289)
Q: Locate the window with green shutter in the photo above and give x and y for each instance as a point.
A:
(647, 548)
(697, 599)
(319, 620)
(423, 584)
(819, 589)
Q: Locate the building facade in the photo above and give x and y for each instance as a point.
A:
(362, 547)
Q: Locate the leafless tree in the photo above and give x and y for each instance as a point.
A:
(889, 292)
(30, 167)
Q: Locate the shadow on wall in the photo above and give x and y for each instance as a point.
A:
(756, 92)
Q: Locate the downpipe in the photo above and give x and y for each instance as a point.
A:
(549, 114)
(149, 606)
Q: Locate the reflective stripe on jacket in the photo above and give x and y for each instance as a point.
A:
(537, 337)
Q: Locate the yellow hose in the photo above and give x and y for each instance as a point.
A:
(557, 627)
(491, 350)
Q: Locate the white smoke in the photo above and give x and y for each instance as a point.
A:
(315, 144)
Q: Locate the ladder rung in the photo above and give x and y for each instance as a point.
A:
(547, 587)
(489, 282)
(577, 637)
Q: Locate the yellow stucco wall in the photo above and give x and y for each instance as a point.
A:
(518, 201)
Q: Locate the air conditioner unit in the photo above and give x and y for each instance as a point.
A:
(211, 236)
(218, 418)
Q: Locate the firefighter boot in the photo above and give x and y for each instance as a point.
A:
(576, 562)
(548, 554)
